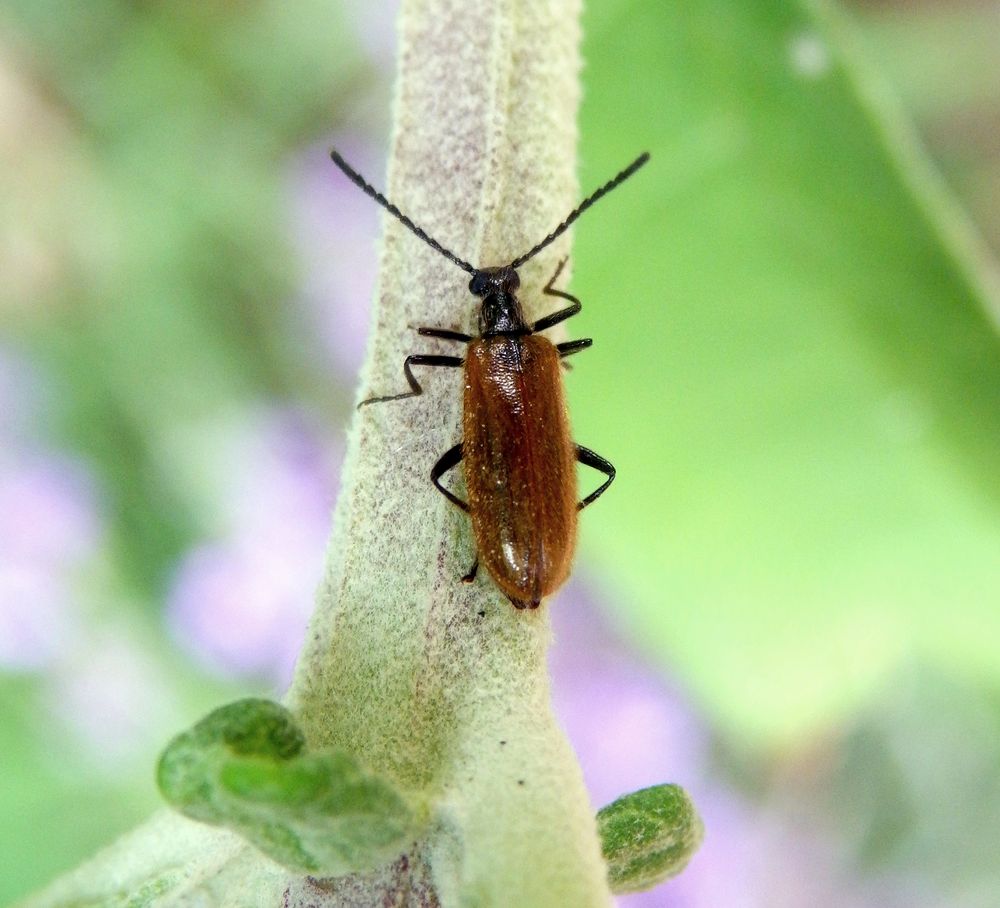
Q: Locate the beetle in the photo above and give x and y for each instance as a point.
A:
(519, 456)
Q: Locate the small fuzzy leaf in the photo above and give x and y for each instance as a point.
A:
(245, 767)
(648, 836)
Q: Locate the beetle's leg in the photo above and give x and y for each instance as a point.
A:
(471, 575)
(568, 348)
(445, 334)
(451, 458)
(555, 276)
(589, 459)
(562, 314)
(416, 359)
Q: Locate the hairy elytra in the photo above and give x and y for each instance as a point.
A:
(518, 454)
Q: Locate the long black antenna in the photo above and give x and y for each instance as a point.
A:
(370, 190)
(581, 208)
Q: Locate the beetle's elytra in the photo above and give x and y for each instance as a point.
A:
(519, 456)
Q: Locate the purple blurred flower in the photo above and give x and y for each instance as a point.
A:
(36, 617)
(48, 511)
(375, 26)
(243, 609)
(108, 694)
(336, 228)
(240, 604)
(631, 729)
(49, 526)
(97, 681)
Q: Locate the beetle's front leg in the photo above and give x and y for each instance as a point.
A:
(416, 359)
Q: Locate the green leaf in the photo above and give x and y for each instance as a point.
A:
(245, 767)
(796, 367)
(648, 836)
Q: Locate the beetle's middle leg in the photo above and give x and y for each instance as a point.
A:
(589, 459)
(451, 458)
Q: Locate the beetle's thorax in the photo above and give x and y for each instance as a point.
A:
(500, 312)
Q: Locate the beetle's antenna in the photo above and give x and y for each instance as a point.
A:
(581, 208)
(371, 191)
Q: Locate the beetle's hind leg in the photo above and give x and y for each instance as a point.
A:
(450, 459)
(589, 459)
(416, 359)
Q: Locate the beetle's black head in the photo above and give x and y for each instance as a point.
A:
(501, 310)
(490, 281)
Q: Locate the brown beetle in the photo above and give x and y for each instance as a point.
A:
(520, 459)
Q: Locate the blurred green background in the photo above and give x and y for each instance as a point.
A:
(796, 371)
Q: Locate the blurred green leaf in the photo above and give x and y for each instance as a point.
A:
(38, 837)
(794, 370)
(917, 791)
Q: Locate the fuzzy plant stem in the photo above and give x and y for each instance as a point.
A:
(441, 687)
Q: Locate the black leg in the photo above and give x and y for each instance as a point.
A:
(589, 459)
(570, 347)
(444, 334)
(555, 276)
(451, 458)
(471, 575)
(562, 314)
(416, 359)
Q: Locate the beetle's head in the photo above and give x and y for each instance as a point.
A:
(501, 310)
(492, 281)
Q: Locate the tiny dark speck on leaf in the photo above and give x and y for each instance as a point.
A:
(481, 614)
(520, 781)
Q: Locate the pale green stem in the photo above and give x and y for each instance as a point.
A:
(439, 686)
